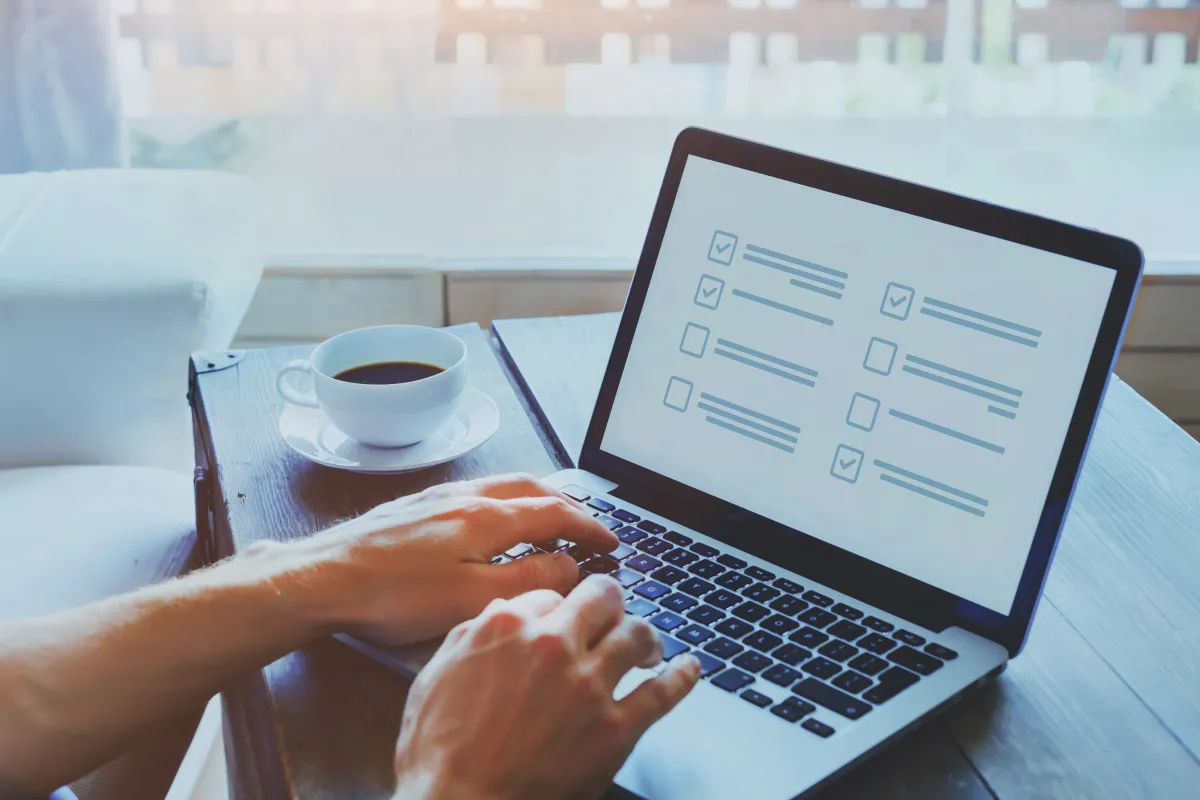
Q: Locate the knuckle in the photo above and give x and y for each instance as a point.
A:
(498, 619)
(659, 695)
(591, 684)
(643, 635)
(549, 648)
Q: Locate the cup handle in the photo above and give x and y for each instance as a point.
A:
(291, 393)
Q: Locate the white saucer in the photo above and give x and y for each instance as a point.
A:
(309, 433)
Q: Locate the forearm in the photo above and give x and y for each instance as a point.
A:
(78, 686)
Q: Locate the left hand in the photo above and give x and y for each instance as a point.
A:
(412, 569)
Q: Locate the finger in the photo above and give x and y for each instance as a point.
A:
(539, 519)
(649, 702)
(554, 572)
(633, 643)
(510, 487)
(536, 603)
(592, 610)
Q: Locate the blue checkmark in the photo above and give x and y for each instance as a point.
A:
(897, 301)
(721, 250)
(847, 463)
(708, 292)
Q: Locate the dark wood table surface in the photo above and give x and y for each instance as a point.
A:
(1105, 700)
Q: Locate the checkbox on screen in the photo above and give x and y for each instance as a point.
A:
(709, 291)
(722, 248)
(863, 412)
(679, 394)
(695, 340)
(881, 355)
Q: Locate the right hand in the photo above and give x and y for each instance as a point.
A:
(518, 703)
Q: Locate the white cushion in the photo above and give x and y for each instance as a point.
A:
(72, 535)
(109, 280)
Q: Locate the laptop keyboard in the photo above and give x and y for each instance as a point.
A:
(748, 626)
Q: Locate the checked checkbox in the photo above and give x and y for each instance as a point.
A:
(847, 463)
(709, 291)
(897, 301)
(722, 248)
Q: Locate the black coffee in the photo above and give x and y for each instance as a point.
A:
(387, 372)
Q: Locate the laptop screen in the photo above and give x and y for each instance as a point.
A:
(894, 386)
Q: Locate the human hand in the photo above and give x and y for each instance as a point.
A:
(518, 703)
(411, 569)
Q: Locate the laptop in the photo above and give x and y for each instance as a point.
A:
(837, 438)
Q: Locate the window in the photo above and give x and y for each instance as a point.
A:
(540, 128)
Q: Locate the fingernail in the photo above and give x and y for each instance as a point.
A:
(691, 664)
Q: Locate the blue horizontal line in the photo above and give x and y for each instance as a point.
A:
(933, 426)
(758, 426)
(714, 399)
(721, 423)
(926, 493)
(1002, 412)
(762, 251)
(958, 372)
(818, 289)
(765, 357)
(781, 307)
(793, 271)
(981, 328)
(773, 370)
(995, 398)
(930, 482)
(985, 317)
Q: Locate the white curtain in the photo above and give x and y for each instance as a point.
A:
(59, 104)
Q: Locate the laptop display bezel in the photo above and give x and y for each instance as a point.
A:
(795, 550)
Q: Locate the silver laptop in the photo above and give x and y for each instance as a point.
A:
(837, 437)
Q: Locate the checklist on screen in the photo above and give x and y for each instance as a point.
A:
(892, 385)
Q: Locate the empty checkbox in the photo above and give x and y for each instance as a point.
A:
(881, 355)
(679, 394)
(695, 340)
(864, 410)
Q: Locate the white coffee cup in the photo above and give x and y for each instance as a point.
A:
(390, 415)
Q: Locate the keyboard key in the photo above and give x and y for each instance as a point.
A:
(625, 516)
(601, 505)
(813, 725)
(817, 617)
(781, 675)
(622, 552)
(891, 683)
(921, 663)
(671, 647)
(734, 580)
(756, 698)
(695, 634)
(793, 700)
(876, 643)
(643, 563)
(653, 546)
(851, 681)
(705, 550)
(552, 545)
(761, 640)
(580, 553)
(944, 653)
(639, 607)
(845, 629)
(908, 637)
(761, 592)
(752, 661)
(849, 612)
(706, 569)
(791, 655)
(608, 522)
(627, 577)
(675, 537)
(576, 493)
(789, 713)
(833, 699)
(750, 611)
(678, 602)
(652, 590)
(708, 664)
(723, 598)
(501, 560)
(669, 574)
(696, 587)
(838, 650)
(651, 527)
(733, 628)
(732, 680)
(680, 557)
(706, 615)
(865, 662)
(784, 585)
(724, 648)
(777, 623)
(630, 534)
(809, 637)
(877, 624)
(818, 599)
(821, 667)
(733, 562)
(518, 550)
(788, 604)
(667, 621)
(600, 565)
(759, 574)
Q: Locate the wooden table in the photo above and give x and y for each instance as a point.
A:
(1105, 700)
